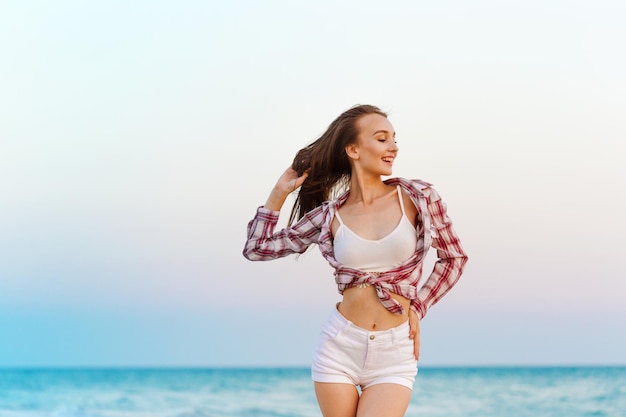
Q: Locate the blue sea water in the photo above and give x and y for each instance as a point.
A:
(450, 392)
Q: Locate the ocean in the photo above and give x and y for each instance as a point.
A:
(450, 392)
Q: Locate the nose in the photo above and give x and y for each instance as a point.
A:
(394, 146)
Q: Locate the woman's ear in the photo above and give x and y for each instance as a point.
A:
(352, 150)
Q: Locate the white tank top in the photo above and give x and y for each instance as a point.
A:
(376, 255)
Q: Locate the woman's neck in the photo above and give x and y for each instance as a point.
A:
(366, 189)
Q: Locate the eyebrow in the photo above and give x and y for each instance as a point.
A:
(383, 131)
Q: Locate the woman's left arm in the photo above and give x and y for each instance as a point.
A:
(414, 333)
(452, 257)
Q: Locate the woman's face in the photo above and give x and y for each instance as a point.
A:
(375, 148)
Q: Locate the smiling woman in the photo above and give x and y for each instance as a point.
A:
(375, 235)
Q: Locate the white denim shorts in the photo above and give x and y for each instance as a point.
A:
(353, 355)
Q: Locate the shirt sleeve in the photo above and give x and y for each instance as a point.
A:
(263, 244)
(452, 257)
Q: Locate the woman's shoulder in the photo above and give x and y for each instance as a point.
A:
(410, 183)
(416, 188)
(336, 200)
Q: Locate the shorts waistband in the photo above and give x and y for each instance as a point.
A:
(338, 321)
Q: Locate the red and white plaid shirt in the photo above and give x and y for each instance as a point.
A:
(434, 228)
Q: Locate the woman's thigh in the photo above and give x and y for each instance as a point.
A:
(337, 400)
(389, 400)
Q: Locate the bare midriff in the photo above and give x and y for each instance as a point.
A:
(363, 308)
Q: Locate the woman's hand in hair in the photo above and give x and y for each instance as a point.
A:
(291, 180)
(414, 333)
(288, 182)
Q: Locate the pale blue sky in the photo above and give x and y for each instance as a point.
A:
(138, 138)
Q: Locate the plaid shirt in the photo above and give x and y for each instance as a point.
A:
(434, 228)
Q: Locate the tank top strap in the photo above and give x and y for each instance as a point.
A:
(400, 198)
(339, 218)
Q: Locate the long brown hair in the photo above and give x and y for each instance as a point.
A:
(327, 162)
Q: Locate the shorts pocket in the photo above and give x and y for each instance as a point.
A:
(331, 330)
(404, 347)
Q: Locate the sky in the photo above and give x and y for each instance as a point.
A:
(138, 138)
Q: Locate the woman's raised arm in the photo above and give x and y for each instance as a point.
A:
(288, 182)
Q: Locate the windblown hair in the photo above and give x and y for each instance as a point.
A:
(327, 162)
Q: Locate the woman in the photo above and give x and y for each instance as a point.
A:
(375, 235)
